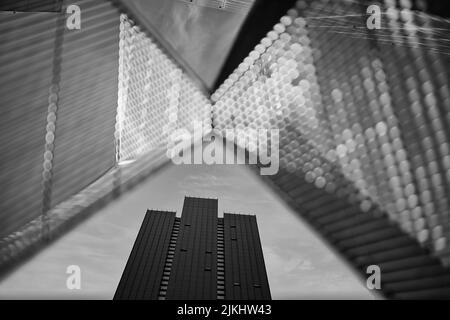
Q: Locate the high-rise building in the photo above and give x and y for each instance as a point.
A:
(362, 112)
(198, 256)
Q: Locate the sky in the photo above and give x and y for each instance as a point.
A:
(299, 264)
(202, 36)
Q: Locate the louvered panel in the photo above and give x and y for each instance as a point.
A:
(24, 95)
(84, 144)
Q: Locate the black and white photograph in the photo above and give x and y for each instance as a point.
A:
(221, 158)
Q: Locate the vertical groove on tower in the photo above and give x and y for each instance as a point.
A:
(169, 260)
(220, 261)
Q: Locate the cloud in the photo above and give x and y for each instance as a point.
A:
(184, 18)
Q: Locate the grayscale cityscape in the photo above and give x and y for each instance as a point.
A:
(219, 157)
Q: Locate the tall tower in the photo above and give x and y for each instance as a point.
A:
(198, 256)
